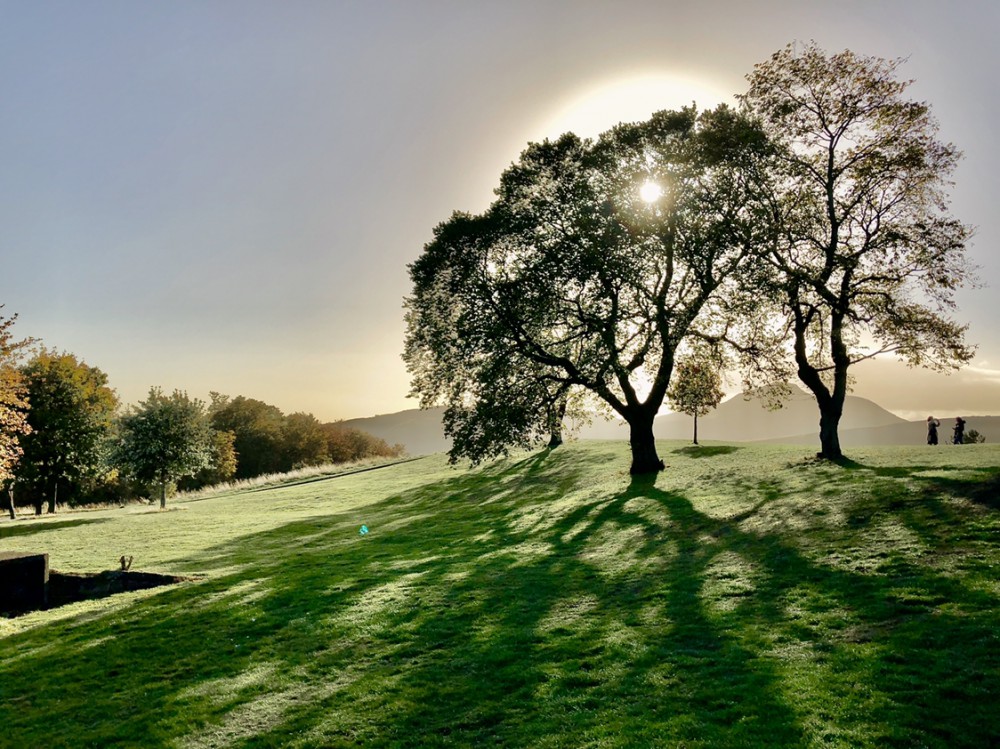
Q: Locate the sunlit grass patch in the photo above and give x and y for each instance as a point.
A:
(290, 478)
(569, 614)
(615, 549)
(224, 689)
(729, 578)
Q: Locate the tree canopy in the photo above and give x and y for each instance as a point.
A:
(865, 254)
(266, 440)
(303, 441)
(571, 280)
(695, 389)
(164, 438)
(13, 401)
(258, 428)
(72, 410)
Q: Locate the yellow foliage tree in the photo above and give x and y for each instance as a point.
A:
(13, 403)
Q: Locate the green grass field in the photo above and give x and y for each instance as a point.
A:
(749, 596)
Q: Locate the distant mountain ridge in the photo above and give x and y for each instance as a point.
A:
(735, 420)
(746, 420)
(420, 431)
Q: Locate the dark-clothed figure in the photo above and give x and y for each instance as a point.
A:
(932, 427)
(959, 436)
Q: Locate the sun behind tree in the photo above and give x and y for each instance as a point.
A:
(568, 282)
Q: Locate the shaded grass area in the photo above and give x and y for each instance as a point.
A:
(11, 530)
(742, 598)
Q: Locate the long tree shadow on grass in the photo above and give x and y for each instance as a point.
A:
(195, 654)
(28, 527)
(705, 451)
(544, 628)
(487, 610)
(909, 654)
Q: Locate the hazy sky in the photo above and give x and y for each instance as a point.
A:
(225, 195)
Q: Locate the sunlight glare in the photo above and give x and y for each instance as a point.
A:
(630, 98)
(650, 192)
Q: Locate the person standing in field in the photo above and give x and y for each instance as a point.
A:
(959, 436)
(932, 427)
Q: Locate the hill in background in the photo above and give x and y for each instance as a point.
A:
(421, 431)
(735, 420)
(746, 420)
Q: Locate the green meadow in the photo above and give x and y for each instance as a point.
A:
(748, 596)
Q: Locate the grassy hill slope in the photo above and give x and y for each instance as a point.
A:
(746, 597)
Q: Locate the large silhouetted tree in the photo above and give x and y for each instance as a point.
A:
(572, 280)
(866, 253)
(495, 398)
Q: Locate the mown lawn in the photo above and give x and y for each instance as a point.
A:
(748, 596)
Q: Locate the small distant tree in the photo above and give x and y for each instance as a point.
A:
(973, 437)
(72, 409)
(695, 390)
(13, 406)
(165, 438)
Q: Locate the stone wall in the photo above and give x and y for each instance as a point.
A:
(24, 579)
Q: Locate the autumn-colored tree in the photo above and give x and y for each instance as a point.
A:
(13, 405)
(695, 389)
(72, 409)
(258, 427)
(268, 441)
(224, 456)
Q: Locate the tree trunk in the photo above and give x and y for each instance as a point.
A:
(163, 495)
(556, 414)
(11, 509)
(831, 404)
(829, 438)
(53, 500)
(644, 457)
(696, 429)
